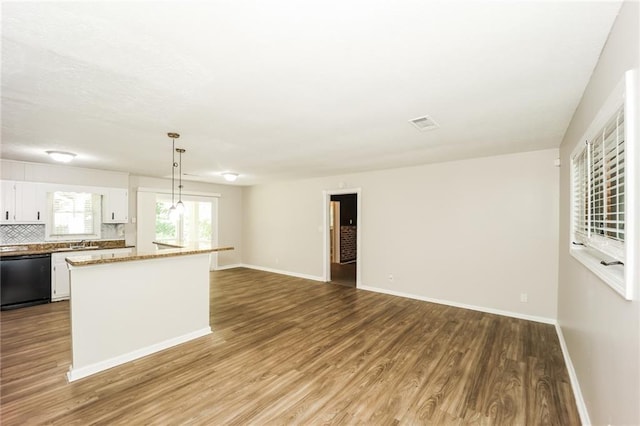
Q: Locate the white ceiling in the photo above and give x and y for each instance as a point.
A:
(290, 89)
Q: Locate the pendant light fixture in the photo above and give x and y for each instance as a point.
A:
(172, 209)
(180, 205)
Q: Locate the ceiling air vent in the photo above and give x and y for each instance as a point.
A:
(424, 123)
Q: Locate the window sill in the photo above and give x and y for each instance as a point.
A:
(613, 275)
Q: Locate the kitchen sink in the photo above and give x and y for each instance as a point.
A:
(76, 248)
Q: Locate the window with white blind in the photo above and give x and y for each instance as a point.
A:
(598, 180)
(74, 215)
(604, 185)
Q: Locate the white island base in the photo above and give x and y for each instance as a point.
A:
(121, 311)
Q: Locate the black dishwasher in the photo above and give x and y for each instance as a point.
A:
(25, 280)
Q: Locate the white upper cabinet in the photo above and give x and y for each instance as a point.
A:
(31, 202)
(115, 206)
(26, 202)
(8, 200)
(23, 202)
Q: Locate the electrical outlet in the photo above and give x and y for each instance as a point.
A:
(524, 298)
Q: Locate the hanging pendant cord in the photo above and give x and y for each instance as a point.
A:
(173, 168)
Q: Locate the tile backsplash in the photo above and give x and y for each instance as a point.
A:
(23, 234)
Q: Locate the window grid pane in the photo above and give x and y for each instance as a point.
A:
(599, 188)
(72, 213)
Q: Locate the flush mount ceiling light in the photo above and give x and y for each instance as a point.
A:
(424, 123)
(229, 176)
(61, 156)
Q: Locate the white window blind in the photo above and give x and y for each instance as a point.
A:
(599, 189)
(581, 195)
(74, 214)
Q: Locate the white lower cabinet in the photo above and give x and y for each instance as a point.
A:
(59, 276)
(60, 272)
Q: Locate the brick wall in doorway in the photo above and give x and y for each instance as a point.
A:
(348, 245)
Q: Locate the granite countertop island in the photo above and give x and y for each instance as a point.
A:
(126, 306)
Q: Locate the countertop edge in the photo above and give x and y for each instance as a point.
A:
(63, 248)
(87, 260)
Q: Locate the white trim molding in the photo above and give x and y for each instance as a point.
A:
(282, 272)
(225, 267)
(461, 305)
(79, 373)
(577, 393)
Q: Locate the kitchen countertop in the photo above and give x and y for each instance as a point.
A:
(135, 255)
(57, 247)
(168, 244)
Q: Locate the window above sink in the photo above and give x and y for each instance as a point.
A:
(73, 216)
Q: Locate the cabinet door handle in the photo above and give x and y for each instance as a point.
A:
(113, 215)
(38, 215)
(613, 262)
(6, 215)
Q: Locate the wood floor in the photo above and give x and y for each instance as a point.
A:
(290, 351)
(344, 274)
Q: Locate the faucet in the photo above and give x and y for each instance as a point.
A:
(83, 243)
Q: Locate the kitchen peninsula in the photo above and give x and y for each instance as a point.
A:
(126, 306)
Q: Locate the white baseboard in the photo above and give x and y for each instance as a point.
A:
(577, 393)
(461, 305)
(279, 271)
(79, 373)
(223, 267)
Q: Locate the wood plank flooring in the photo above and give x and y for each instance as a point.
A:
(290, 351)
(344, 274)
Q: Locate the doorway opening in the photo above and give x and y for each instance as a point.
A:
(342, 237)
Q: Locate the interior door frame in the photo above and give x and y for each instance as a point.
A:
(335, 233)
(326, 206)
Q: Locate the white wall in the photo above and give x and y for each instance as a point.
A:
(601, 329)
(478, 232)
